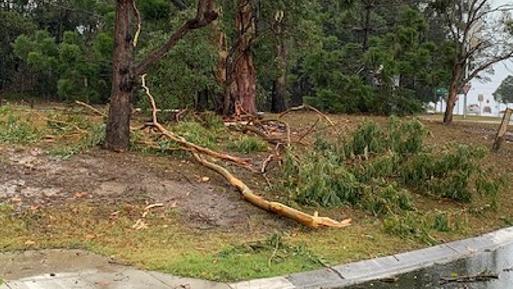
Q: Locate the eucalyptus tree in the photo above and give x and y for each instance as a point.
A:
(481, 36)
(125, 70)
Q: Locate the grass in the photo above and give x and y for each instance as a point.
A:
(248, 144)
(15, 129)
(170, 246)
(390, 214)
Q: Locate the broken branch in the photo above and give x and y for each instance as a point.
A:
(311, 221)
(309, 107)
(182, 141)
(101, 113)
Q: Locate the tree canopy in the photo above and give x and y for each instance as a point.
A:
(504, 93)
(369, 56)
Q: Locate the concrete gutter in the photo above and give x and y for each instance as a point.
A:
(335, 277)
(379, 268)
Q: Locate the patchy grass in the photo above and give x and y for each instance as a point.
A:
(168, 245)
(16, 129)
(248, 144)
(375, 173)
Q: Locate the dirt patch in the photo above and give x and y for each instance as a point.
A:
(33, 178)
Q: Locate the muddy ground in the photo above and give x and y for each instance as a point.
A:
(32, 178)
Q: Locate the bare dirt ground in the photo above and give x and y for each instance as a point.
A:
(31, 178)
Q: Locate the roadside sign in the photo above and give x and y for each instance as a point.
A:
(441, 92)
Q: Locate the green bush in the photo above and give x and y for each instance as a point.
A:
(379, 168)
(444, 174)
(382, 201)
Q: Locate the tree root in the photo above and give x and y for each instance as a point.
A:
(312, 221)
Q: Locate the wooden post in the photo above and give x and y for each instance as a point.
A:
(503, 128)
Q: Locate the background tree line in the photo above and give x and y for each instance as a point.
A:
(368, 56)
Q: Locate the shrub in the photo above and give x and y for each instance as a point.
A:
(445, 174)
(381, 201)
(379, 167)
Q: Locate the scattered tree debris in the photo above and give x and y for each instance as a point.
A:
(481, 277)
(312, 221)
(90, 107)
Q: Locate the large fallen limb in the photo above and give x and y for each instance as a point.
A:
(312, 221)
(180, 140)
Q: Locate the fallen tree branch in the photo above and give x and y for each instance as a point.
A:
(309, 131)
(254, 130)
(482, 277)
(311, 221)
(285, 124)
(101, 113)
(309, 107)
(182, 141)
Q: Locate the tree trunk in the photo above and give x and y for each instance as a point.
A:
(244, 72)
(453, 93)
(124, 71)
(118, 125)
(220, 71)
(279, 93)
(202, 100)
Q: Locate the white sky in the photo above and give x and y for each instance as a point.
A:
(502, 70)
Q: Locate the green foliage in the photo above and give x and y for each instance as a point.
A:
(186, 70)
(94, 136)
(16, 130)
(504, 92)
(441, 222)
(445, 174)
(67, 68)
(379, 168)
(388, 200)
(410, 225)
(196, 133)
(248, 144)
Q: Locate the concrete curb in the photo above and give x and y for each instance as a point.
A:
(360, 272)
(119, 277)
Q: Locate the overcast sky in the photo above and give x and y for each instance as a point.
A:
(502, 70)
